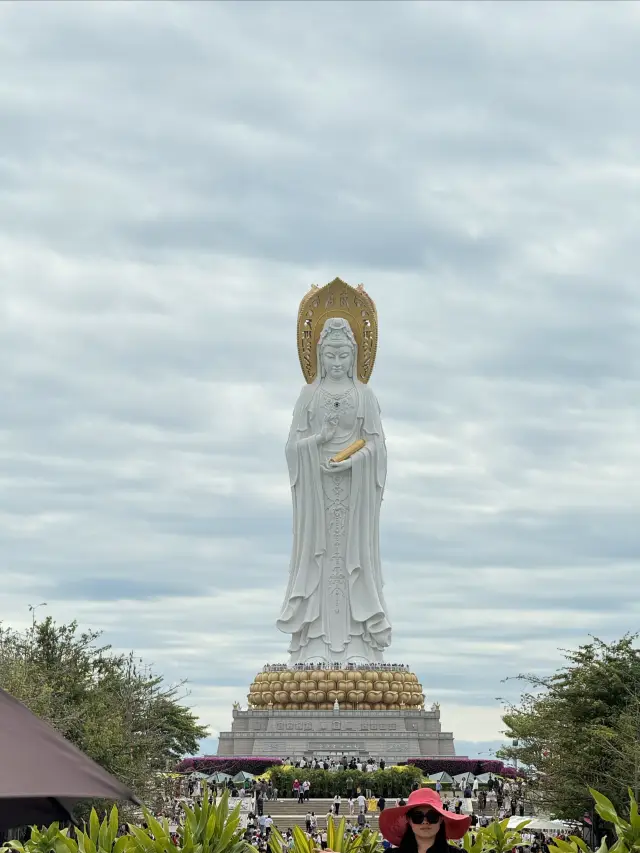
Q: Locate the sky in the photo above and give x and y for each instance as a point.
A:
(175, 176)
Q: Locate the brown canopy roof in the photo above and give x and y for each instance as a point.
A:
(42, 775)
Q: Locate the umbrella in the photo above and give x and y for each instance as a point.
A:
(242, 776)
(442, 777)
(219, 778)
(197, 775)
(464, 779)
(42, 775)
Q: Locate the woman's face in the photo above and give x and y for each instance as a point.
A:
(425, 831)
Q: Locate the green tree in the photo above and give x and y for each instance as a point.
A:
(580, 727)
(112, 706)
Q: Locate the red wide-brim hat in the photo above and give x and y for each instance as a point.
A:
(393, 822)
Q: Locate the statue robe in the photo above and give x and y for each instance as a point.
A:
(334, 605)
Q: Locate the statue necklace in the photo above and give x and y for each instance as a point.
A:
(339, 401)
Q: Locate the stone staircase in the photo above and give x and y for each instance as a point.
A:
(289, 813)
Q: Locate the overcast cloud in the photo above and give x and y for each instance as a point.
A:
(174, 176)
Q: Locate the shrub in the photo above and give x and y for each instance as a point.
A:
(338, 840)
(392, 782)
(206, 829)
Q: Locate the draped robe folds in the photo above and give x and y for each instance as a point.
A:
(334, 606)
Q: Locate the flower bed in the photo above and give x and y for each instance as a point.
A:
(228, 764)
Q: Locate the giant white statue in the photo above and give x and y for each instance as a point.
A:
(334, 607)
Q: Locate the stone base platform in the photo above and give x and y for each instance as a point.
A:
(394, 735)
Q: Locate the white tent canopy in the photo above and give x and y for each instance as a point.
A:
(442, 777)
(539, 824)
(464, 779)
(243, 776)
(483, 778)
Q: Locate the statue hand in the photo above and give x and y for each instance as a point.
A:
(329, 427)
(336, 467)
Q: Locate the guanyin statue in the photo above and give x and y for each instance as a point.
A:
(334, 607)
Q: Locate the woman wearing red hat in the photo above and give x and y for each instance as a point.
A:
(423, 824)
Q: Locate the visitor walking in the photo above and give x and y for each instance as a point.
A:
(337, 802)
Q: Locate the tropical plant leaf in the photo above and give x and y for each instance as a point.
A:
(580, 843)
(94, 827)
(331, 834)
(121, 844)
(605, 808)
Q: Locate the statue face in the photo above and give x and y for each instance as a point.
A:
(337, 360)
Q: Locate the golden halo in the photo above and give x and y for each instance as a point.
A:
(337, 299)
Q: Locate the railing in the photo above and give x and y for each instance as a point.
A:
(326, 667)
(406, 712)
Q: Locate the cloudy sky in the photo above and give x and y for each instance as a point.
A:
(173, 178)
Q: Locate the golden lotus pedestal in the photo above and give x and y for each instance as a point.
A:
(354, 690)
(305, 713)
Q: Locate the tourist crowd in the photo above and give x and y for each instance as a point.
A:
(500, 798)
(334, 764)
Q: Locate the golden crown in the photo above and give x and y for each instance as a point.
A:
(337, 299)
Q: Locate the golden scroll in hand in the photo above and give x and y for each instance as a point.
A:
(348, 452)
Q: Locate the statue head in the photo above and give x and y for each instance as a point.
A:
(336, 349)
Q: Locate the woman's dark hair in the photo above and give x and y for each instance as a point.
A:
(409, 844)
